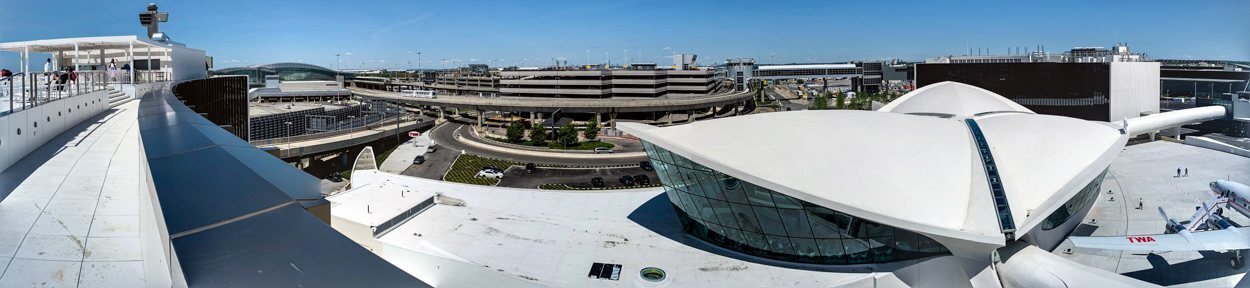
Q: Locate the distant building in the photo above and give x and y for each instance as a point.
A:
(285, 71)
(1107, 91)
(640, 80)
(1118, 53)
(864, 76)
(1189, 84)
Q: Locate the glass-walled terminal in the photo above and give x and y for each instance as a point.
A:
(754, 220)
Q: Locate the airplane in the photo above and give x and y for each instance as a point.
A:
(1206, 230)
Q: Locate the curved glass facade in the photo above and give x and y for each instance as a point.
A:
(754, 220)
(286, 72)
(1074, 205)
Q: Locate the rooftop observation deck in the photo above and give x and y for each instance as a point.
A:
(149, 193)
(70, 210)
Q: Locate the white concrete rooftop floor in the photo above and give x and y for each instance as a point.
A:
(73, 219)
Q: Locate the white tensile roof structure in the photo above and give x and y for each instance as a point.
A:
(913, 165)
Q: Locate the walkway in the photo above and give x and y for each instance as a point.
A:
(69, 214)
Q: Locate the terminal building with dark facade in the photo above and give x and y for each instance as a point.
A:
(1100, 91)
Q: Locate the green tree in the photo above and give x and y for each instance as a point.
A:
(821, 102)
(538, 135)
(566, 136)
(516, 131)
(841, 103)
(592, 130)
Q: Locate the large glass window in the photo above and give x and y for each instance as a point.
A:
(754, 220)
(1082, 199)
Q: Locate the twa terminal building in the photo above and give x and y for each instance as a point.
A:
(947, 170)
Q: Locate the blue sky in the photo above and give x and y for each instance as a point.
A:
(388, 34)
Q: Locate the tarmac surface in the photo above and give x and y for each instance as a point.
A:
(1147, 172)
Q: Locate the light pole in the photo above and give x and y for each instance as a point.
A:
(288, 138)
(338, 63)
(351, 125)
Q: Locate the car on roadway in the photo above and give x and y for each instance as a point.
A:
(431, 149)
(597, 182)
(485, 173)
(642, 180)
(603, 150)
(627, 180)
(646, 166)
(529, 168)
(420, 159)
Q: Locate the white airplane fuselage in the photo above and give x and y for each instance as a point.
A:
(1238, 195)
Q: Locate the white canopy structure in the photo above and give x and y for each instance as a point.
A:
(960, 164)
(171, 61)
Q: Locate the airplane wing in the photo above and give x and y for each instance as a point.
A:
(1212, 240)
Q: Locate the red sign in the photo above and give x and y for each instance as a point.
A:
(414, 133)
(1140, 239)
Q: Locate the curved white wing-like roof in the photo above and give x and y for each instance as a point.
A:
(907, 171)
(914, 172)
(954, 99)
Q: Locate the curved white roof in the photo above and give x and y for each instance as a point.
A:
(914, 172)
(953, 98)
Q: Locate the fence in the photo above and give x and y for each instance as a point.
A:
(25, 90)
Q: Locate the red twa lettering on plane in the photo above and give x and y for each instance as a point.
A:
(1140, 239)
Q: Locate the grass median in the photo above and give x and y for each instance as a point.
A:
(467, 166)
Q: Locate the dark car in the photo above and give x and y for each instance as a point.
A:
(642, 179)
(418, 160)
(597, 182)
(529, 168)
(627, 180)
(646, 166)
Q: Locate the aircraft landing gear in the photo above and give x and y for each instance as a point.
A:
(1237, 261)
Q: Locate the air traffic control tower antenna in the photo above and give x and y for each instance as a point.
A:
(152, 19)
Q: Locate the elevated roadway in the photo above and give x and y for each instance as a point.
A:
(568, 105)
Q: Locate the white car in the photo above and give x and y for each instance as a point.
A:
(602, 150)
(489, 174)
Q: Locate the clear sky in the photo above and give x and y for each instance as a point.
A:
(388, 34)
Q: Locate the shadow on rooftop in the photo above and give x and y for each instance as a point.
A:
(12, 177)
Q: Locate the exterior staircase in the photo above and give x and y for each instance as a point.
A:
(117, 97)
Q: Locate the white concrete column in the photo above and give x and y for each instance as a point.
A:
(149, 64)
(75, 56)
(131, 54)
(24, 58)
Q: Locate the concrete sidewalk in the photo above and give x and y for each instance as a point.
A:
(402, 157)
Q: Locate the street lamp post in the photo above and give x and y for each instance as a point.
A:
(288, 138)
(338, 63)
(351, 125)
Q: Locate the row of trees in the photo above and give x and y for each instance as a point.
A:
(862, 101)
(565, 136)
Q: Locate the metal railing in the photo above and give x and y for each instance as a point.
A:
(25, 90)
